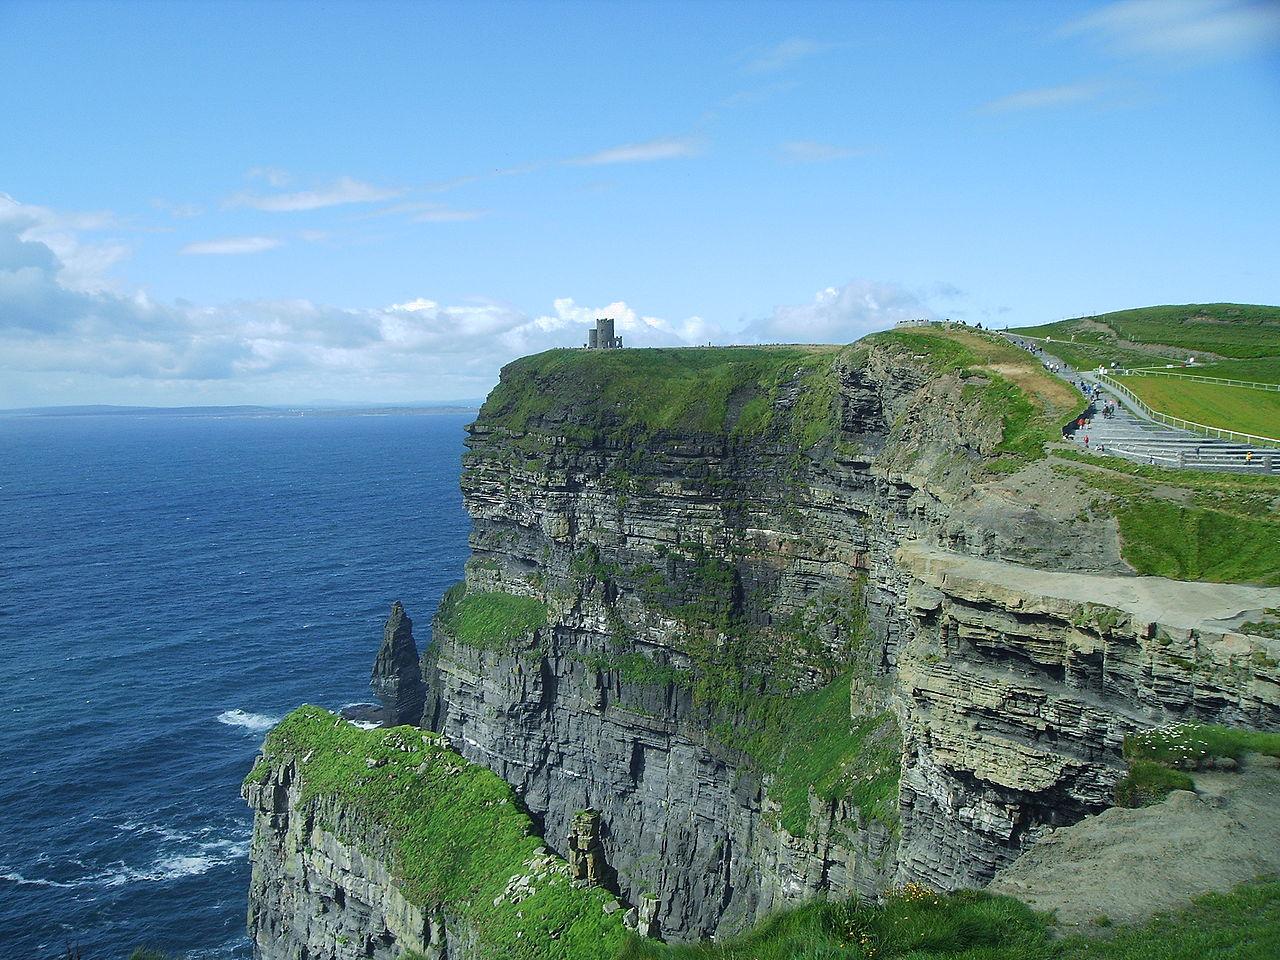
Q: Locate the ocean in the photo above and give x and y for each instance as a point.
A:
(170, 586)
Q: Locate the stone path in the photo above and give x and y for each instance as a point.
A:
(1129, 433)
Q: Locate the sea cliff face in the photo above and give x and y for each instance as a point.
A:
(695, 575)
(795, 622)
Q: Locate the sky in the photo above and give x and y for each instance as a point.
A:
(290, 203)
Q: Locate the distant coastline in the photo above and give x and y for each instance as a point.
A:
(249, 410)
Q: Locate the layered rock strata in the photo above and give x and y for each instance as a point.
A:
(688, 573)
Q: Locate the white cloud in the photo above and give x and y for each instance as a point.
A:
(813, 151)
(81, 265)
(273, 175)
(1045, 97)
(840, 314)
(180, 211)
(54, 336)
(785, 54)
(1183, 27)
(232, 245)
(342, 191)
(667, 148)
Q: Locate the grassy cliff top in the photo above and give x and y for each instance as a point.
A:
(786, 391)
(646, 391)
(457, 833)
(1234, 331)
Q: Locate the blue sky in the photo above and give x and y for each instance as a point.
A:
(274, 202)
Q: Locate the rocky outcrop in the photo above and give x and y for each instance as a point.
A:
(1126, 865)
(316, 895)
(740, 628)
(397, 679)
(1016, 688)
(372, 843)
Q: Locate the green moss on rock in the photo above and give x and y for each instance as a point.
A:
(489, 620)
(456, 833)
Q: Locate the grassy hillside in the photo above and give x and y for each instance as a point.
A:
(1186, 524)
(916, 924)
(691, 390)
(1226, 330)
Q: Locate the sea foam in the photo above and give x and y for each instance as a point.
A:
(256, 722)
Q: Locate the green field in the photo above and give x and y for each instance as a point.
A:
(1260, 370)
(1216, 405)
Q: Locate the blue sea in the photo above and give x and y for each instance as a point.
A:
(170, 586)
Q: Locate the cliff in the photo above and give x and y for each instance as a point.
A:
(802, 621)
(374, 843)
(682, 560)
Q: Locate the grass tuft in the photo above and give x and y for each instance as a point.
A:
(489, 621)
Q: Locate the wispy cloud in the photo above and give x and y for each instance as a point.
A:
(814, 151)
(342, 191)
(273, 175)
(232, 245)
(424, 212)
(667, 148)
(1183, 27)
(784, 55)
(840, 314)
(1045, 97)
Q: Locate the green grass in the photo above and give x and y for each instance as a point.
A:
(1241, 925)
(1242, 409)
(1264, 370)
(1148, 782)
(1167, 539)
(489, 621)
(809, 742)
(627, 395)
(914, 924)
(1188, 524)
(455, 832)
(1158, 757)
(1187, 744)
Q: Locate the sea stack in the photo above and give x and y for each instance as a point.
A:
(397, 680)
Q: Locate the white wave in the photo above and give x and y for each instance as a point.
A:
(257, 722)
(14, 877)
(204, 858)
(364, 724)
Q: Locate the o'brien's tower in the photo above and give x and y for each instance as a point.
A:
(602, 338)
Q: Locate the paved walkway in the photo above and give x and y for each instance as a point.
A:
(1129, 433)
